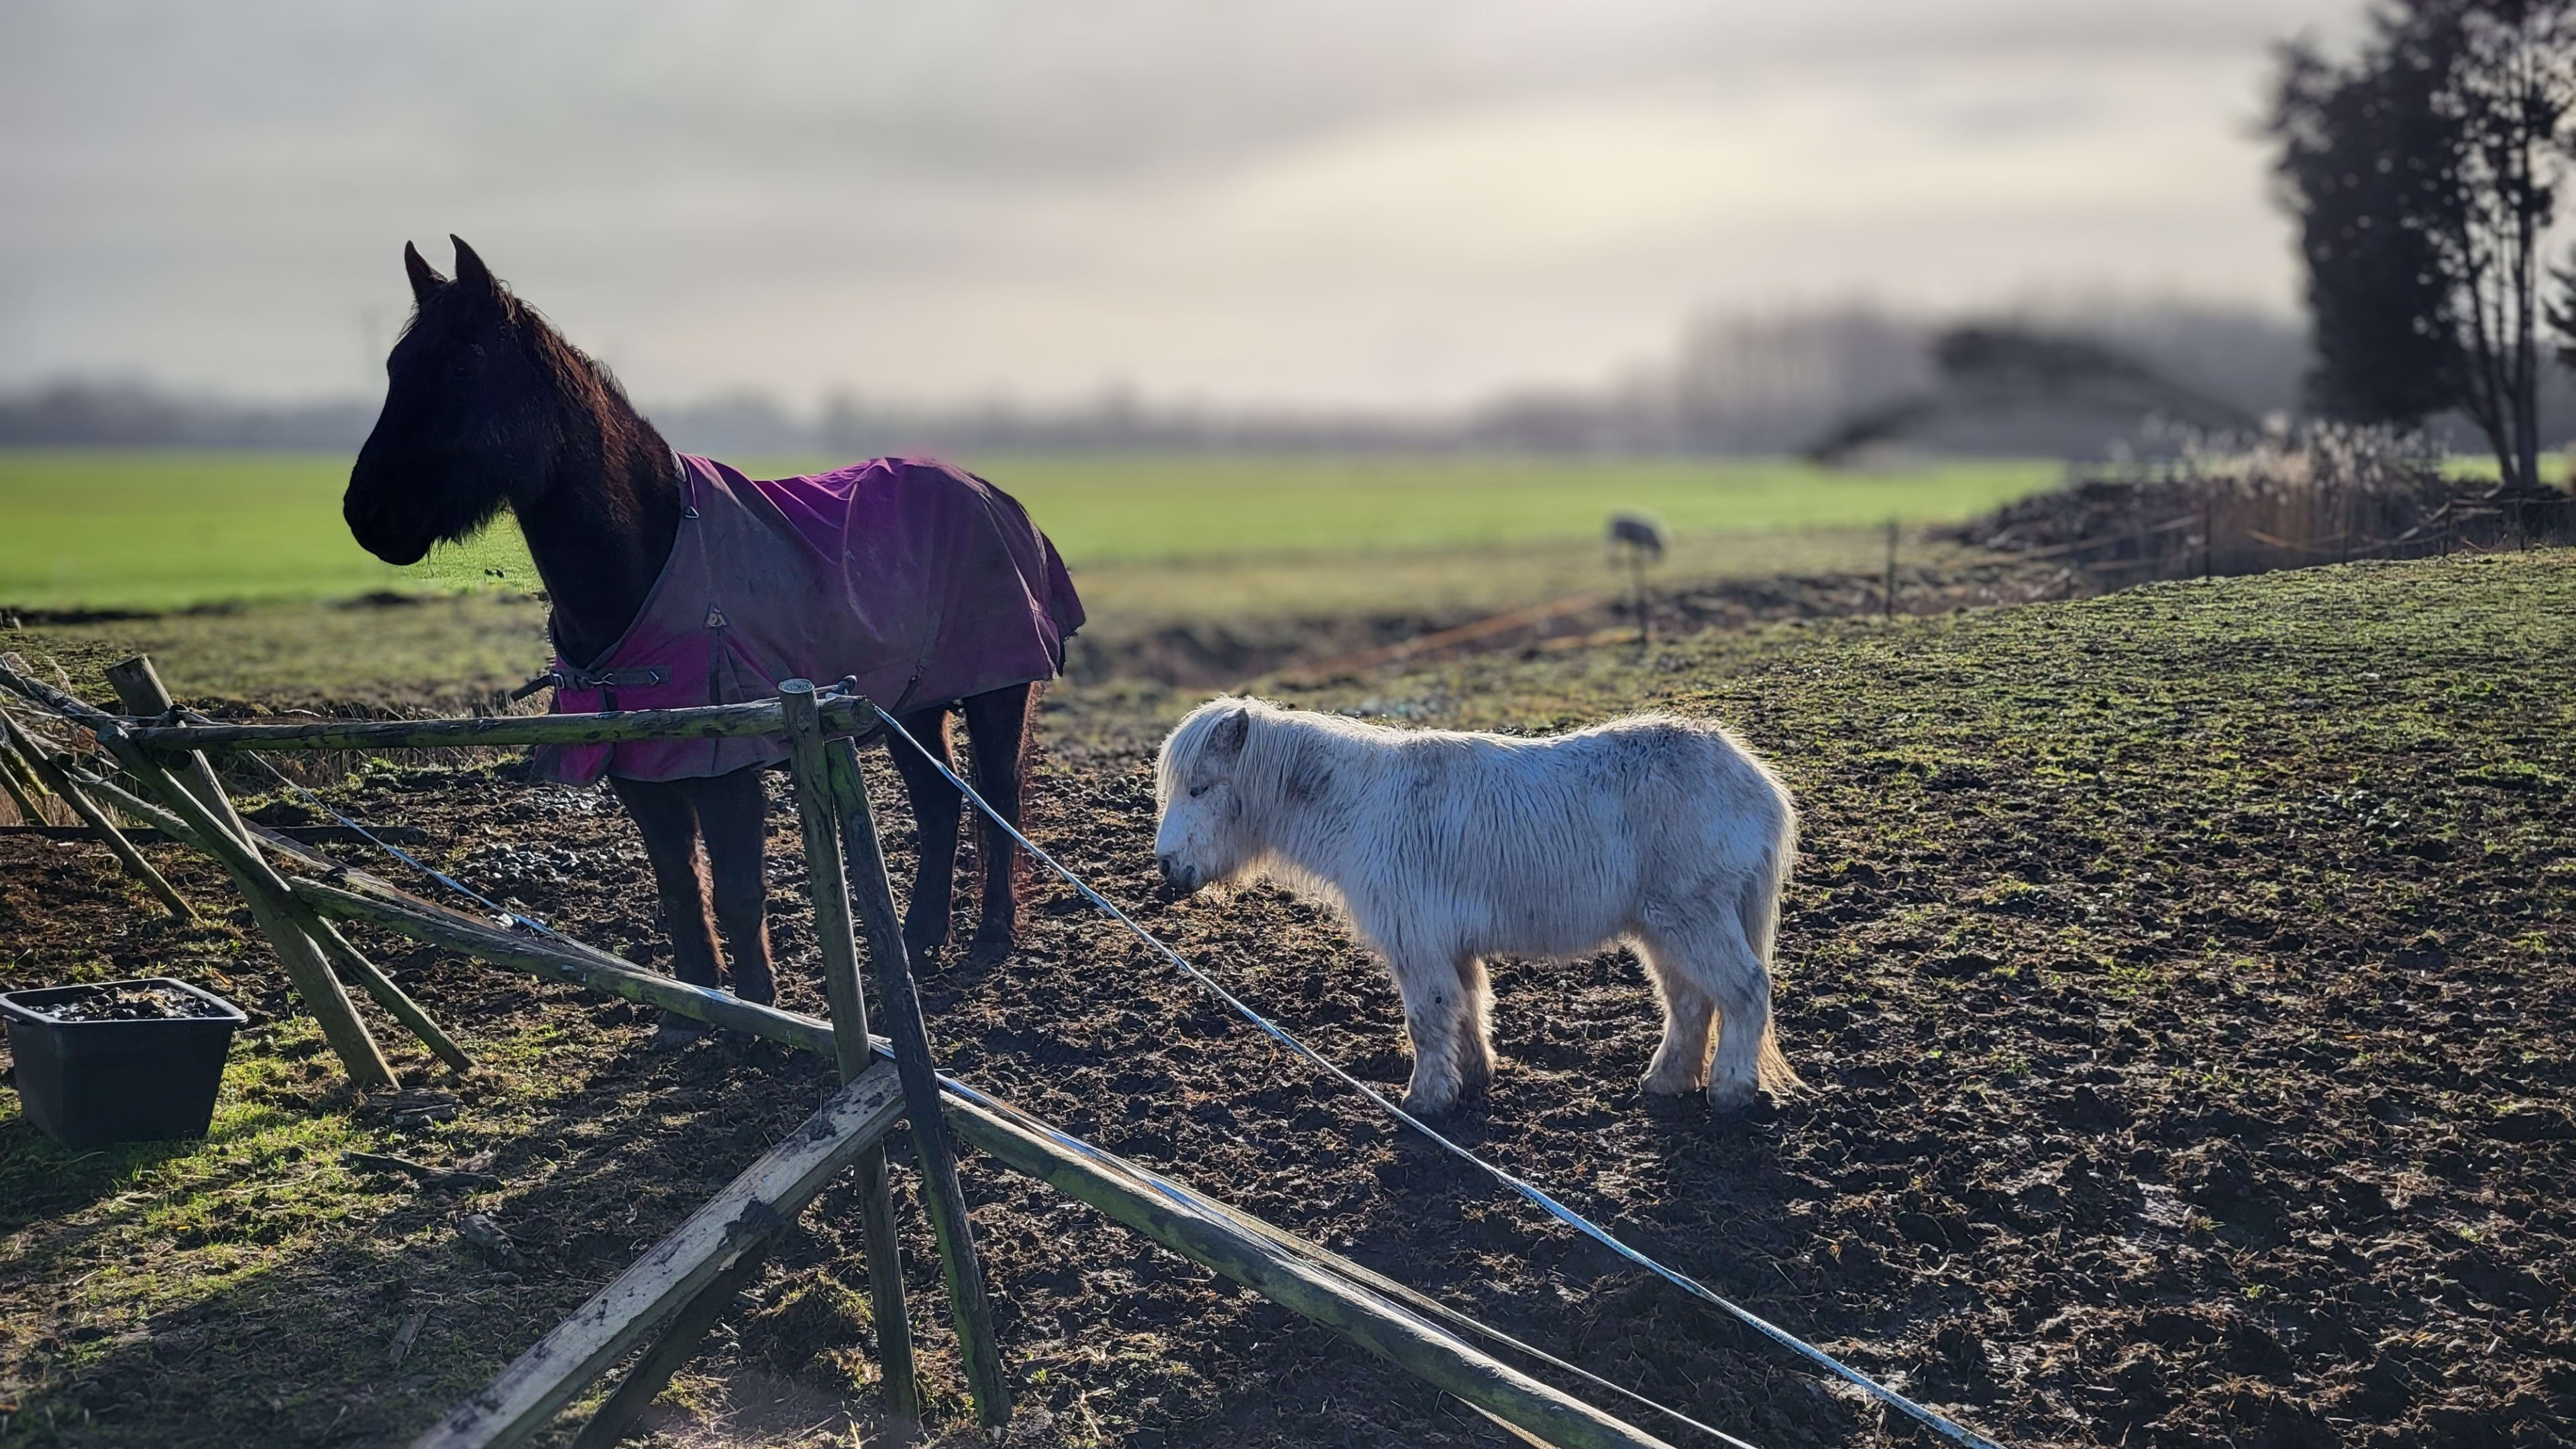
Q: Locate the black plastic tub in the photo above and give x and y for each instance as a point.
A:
(92, 1068)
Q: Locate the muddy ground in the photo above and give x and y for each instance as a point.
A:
(2185, 978)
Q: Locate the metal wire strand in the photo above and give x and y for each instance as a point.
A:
(1929, 1418)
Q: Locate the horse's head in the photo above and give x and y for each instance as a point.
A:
(473, 419)
(1200, 784)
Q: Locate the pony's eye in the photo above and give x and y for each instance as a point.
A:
(1197, 790)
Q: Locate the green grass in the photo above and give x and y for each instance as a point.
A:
(168, 530)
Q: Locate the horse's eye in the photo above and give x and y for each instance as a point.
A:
(1197, 790)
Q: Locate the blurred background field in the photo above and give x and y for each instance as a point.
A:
(153, 531)
(234, 569)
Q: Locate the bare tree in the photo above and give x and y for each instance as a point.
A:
(2425, 173)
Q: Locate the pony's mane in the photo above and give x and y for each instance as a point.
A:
(1275, 757)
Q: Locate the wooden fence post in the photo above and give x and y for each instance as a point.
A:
(1325, 1290)
(946, 1201)
(1888, 593)
(672, 1351)
(828, 882)
(51, 773)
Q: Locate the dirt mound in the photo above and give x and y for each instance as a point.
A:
(2328, 496)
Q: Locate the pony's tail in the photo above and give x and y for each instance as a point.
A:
(1761, 917)
(1772, 1069)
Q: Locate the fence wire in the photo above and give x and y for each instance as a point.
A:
(1929, 1418)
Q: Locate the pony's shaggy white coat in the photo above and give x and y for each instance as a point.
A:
(1443, 848)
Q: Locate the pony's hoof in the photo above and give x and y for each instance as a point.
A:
(1731, 1097)
(1429, 1107)
(1658, 1084)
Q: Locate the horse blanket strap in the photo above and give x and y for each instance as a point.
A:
(568, 677)
(920, 581)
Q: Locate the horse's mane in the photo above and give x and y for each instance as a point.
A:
(583, 387)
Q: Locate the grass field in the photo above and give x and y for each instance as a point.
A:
(166, 530)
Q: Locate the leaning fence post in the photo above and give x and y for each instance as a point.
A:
(266, 891)
(140, 690)
(946, 1201)
(261, 886)
(132, 859)
(372, 978)
(816, 807)
(18, 778)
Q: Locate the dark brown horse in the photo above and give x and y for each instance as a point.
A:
(487, 409)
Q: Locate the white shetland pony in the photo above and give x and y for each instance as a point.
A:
(1444, 848)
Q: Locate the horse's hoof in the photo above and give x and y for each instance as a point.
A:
(985, 953)
(1654, 1084)
(677, 1032)
(924, 946)
(760, 992)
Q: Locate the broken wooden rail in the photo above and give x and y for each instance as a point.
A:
(837, 715)
(736, 1222)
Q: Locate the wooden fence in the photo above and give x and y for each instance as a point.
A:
(672, 1296)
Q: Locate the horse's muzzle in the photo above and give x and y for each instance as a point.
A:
(1176, 875)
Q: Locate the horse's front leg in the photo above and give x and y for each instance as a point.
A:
(935, 804)
(997, 725)
(733, 815)
(668, 821)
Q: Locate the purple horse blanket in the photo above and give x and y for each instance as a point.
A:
(924, 581)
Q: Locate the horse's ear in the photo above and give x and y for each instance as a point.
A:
(1231, 732)
(470, 269)
(424, 277)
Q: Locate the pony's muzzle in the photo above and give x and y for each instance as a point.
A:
(1177, 875)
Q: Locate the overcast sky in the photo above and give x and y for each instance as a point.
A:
(1381, 203)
